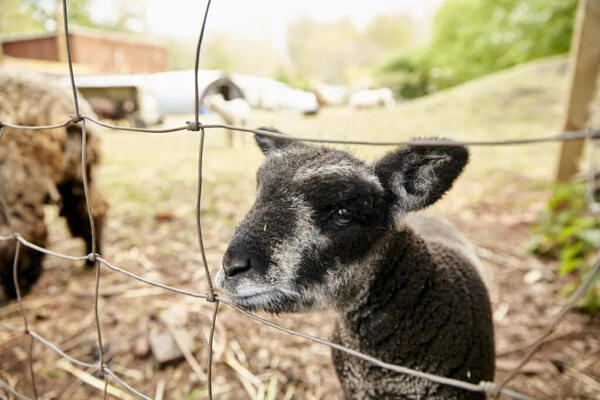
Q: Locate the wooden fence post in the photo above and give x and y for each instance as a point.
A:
(584, 65)
(61, 46)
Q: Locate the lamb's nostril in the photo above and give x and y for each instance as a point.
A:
(236, 266)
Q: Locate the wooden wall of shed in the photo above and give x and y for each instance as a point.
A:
(112, 56)
(104, 55)
(38, 48)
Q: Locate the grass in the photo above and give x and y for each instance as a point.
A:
(145, 174)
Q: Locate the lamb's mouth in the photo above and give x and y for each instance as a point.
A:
(273, 300)
(254, 296)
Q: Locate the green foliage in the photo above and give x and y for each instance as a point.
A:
(324, 49)
(17, 17)
(475, 37)
(53, 372)
(338, 52)
(391, 32)
(26, 16)
(293, 80)
(567, 231)
(405, 77)
(472, 38)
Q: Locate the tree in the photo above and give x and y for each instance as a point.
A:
(475, 37)
(234, 53)
(323, 50)
(20, 16)
(391, 33)
(472, 38)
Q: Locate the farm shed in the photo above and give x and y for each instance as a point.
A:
(173, 91)
(106, 52)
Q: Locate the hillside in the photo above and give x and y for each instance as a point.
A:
(523, 101)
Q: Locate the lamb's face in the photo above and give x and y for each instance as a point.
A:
(317, 211)
(317, 215)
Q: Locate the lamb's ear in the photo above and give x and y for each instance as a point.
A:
(271, 145)
(418, 176)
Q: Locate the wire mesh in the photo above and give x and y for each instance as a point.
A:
(489, 388)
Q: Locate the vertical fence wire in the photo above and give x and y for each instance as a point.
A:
(86, 192)
(15, 274)
(69, 57)
(197, 66)
(197, 126)
(211, 292)
(3, 206)
(84, 179)
(97, 266)
(210, 349)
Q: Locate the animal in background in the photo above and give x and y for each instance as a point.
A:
(372, 98)
(38, 167)
(234, 112)
(329, 231)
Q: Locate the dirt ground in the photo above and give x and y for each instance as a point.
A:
(150, 184)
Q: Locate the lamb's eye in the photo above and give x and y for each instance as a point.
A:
(342, 216)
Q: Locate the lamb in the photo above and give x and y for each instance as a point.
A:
(328, 231)
(330, 95)
(39, 167)
(234, 112)
(371, 98)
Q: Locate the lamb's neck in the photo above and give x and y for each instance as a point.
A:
(393, 283)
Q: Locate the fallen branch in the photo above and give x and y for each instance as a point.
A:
(247, 378)
(189, 357)
(160, 390)
(93, 381)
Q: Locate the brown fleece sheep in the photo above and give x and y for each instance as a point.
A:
(38, 167)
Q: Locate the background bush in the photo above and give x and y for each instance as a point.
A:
(569, 232)
(472, 38)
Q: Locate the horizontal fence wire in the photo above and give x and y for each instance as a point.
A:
(489, 388)
(593, 134)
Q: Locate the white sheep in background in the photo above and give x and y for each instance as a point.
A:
(233, 112)
(372, 98)
(330, 95)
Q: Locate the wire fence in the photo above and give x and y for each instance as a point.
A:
(489, 388)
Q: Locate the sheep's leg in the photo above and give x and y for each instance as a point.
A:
(74, 209)
(21, 211)
(29, 268)
(242, 135)
(229, 139)
(28, 220)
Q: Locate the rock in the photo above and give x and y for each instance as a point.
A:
(533, 276)
(165, 349)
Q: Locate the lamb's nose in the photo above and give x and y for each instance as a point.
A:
(235, 266)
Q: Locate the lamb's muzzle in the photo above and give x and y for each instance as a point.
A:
(329, 231)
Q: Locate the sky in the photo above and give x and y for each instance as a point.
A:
(266, 18)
